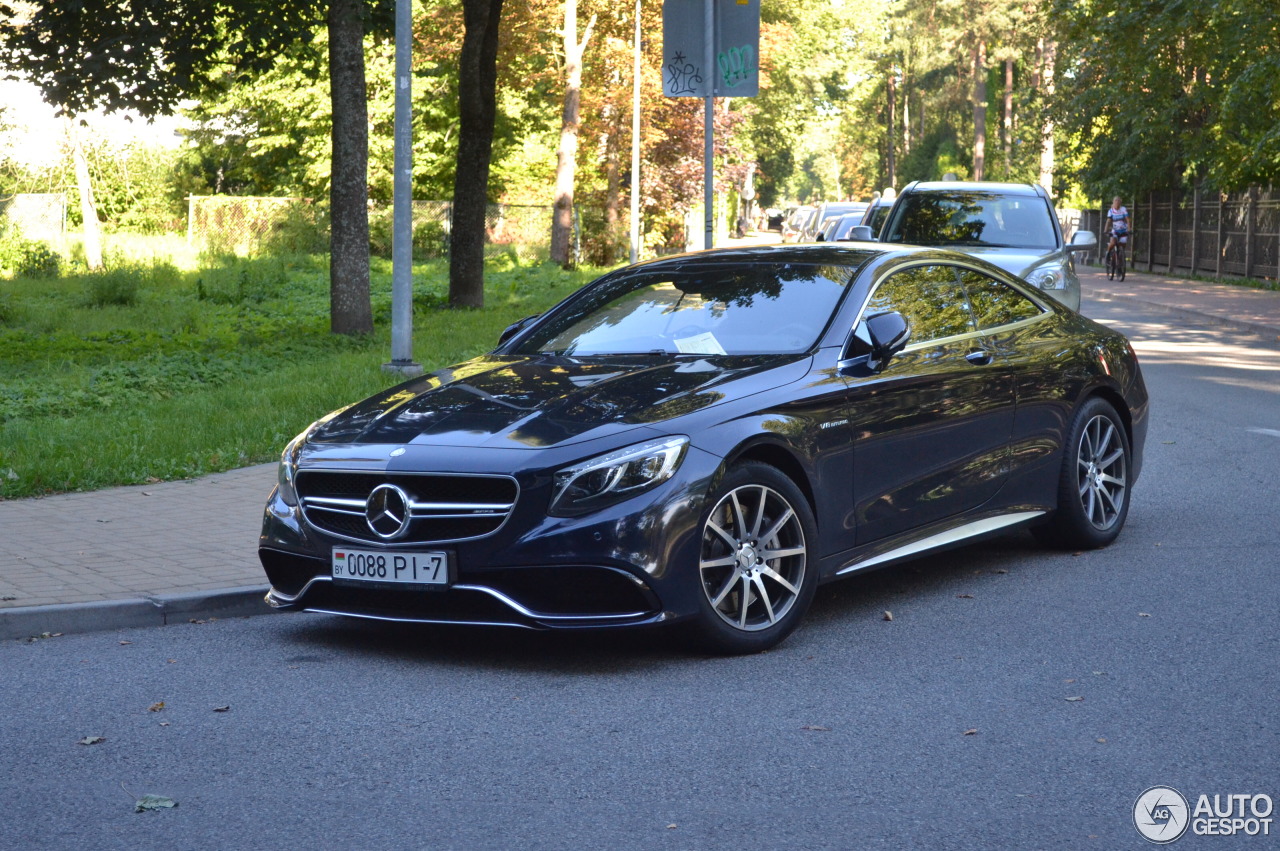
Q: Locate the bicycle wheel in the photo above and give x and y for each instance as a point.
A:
(1111, 264)
(1120, 260)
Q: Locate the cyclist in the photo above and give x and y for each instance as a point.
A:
(1118, 225)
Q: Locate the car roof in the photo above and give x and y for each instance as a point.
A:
(1027, 189)
(778, 253)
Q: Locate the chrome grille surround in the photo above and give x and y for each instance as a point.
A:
(443, 507)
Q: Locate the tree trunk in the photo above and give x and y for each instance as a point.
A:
(477, 108)
(979, 54)
(1006, 127)
(906, 117)
(891, 125)
(1046, 128)
(567, 157)
(612, 197)
(349, 309)
(88, 209)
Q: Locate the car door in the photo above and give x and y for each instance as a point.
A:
(931, 430)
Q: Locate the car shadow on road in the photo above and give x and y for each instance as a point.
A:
(839, 604)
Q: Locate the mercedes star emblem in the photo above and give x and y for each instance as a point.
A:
(387, 511)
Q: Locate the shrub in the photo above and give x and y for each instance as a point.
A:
(237, 280)
(8, 310)
(114, 287)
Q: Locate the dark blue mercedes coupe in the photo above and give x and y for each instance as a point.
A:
(704, 439)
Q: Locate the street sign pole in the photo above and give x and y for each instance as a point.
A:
(402, 214)
(709, 124)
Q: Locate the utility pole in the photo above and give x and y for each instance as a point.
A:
(402, 361)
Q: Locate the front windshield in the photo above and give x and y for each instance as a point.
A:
(973, 218)
(740, 309)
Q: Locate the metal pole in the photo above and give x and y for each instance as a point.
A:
(709, 128)
(402, 224)
(635, 146)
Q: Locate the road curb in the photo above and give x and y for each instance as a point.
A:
(1187, 313)
(103, 615)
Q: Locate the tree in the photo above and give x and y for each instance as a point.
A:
(477, 111)
(567, 157)
(149, 55)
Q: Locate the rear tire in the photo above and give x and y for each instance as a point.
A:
(1120, 260)
(1093, 484)
(756, 571)
(1111, 264)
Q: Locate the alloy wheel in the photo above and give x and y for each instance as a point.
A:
(1102, 471)
(753, 558)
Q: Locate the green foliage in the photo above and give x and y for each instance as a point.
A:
(176, 385)
(29, 258)
(1191, 90)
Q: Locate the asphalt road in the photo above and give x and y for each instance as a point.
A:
(1018, 698)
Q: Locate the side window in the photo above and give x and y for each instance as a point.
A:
(930, 297)
(994, 303)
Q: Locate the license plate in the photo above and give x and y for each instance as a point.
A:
(424, 568)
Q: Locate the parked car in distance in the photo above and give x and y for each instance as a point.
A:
(704, 439)
(794, 223)
(840, 228)
(826, 212)
(878, 211)
(1012, 225)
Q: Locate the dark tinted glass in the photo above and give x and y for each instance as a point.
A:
(994, 303)
(736, 310)
(973, 218)
(930, 297)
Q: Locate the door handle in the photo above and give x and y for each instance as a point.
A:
(978, 357)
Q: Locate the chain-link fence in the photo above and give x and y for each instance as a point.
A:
(1203, 232)
(243, 224)
(36, 215)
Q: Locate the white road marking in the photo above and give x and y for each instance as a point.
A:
(1271, 431)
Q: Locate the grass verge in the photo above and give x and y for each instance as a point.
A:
(204, 371)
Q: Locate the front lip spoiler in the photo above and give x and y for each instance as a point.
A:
(534, 620)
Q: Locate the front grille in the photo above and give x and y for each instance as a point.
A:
(445, 507)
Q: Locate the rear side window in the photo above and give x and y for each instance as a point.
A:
(929, 297)
(995, 303)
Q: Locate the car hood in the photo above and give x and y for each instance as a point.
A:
(542, 401)
(1015, 261)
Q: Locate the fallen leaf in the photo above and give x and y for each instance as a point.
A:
(1068, 681)
(195, 620)
(965, 596)
(1168, 442)
(1075, 699)
(154, 802)
(672, 826)
(1143, 615)
(1101, 740)
(1001, 570)
(814, 728)
(103, 521)
(156, 707)
(92, 740)
(1099, 673)
(126, 642)
(888, 616)
(164, 723)
(146, 493)
(151, 480)
(222, 709)
(971, 732)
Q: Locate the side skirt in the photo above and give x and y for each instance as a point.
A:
(942, 539)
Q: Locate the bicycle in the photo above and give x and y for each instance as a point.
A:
(1115, 259)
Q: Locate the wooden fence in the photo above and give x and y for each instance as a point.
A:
(1203, 232)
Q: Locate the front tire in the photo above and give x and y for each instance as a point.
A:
(1093, 485)
(755, 569)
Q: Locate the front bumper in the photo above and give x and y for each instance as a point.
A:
(631, 564)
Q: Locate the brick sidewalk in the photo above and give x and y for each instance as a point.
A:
(142, 541)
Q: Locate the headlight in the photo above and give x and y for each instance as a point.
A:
(616, 476)
(289, 467)
(1048, 279)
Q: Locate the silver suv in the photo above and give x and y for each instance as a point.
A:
(1012, 225)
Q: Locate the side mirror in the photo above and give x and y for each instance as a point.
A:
(862, 233)
(889, 333)
(1082, 240)
(516, 327)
